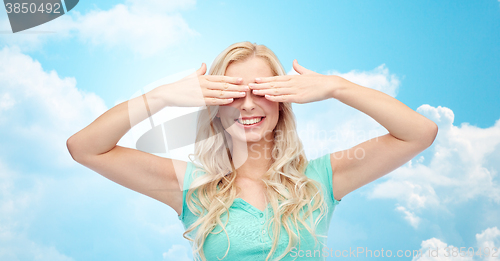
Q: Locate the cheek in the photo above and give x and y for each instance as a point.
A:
(274, 109)
(270, 106)
(228, 111)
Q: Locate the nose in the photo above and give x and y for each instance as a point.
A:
(248, 101)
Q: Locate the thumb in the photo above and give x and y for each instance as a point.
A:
(299, 68)
(202, 70)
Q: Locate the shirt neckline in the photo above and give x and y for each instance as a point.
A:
(249, 207)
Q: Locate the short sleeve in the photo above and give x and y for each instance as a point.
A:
(320, 169)
(188, 179)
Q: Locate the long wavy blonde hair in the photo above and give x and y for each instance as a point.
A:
(292, 195)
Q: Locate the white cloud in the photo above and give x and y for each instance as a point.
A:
(16, 213)
(415, 195)
(20, 248)
(156, 217)
(379, 79)
(328, 126)
(463, 163)
(177, 252)
(489, 239)
(409, 216)
(40, 109)
(145, 32)
(463, 166)
(145, 27)
(436, 250)
(38, 112)
(160, 6)
(34, 38)
(6, 102)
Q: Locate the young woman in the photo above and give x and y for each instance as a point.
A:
(250, 193)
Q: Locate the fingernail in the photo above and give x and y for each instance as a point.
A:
(240, 79)
(246, 88)
(257, 79)
(251, 84)
(243, 93)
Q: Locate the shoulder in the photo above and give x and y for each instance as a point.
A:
(320, 169)
(189, 181)
(193, 171)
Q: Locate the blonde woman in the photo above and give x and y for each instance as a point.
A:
(249, 192)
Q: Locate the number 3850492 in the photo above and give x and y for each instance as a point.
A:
(32, 8)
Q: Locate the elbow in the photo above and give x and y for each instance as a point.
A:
(429, 134)
(424, 135)
(72, 146)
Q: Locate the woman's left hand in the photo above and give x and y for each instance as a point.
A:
(308, 86)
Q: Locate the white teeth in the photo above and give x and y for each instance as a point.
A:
(249, 122)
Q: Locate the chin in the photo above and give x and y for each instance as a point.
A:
(254, 138)
(249, 137)
(246, 136)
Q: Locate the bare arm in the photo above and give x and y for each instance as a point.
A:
(95, 147)
(409, 134)
(157, 177)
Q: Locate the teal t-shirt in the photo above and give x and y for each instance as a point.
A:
(247, 226)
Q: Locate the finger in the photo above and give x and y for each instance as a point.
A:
(226, 86)
(282, 78)
(301, 69)
(220, 94)
(280, 98)
(297, 67)
(223, 78)
(216, 101)
(202, 70)
(274, 91)
(268, 85)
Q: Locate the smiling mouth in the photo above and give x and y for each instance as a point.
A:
(250, 122)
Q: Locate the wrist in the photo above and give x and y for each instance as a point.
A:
(157, 98)
(336, 85)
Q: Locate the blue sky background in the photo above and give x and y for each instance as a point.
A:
(439, 58)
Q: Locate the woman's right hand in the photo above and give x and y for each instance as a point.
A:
(198, 90)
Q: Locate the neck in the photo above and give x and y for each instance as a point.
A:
(252, 159)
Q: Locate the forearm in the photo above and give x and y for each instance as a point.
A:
(103, 134)
(401, 121)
